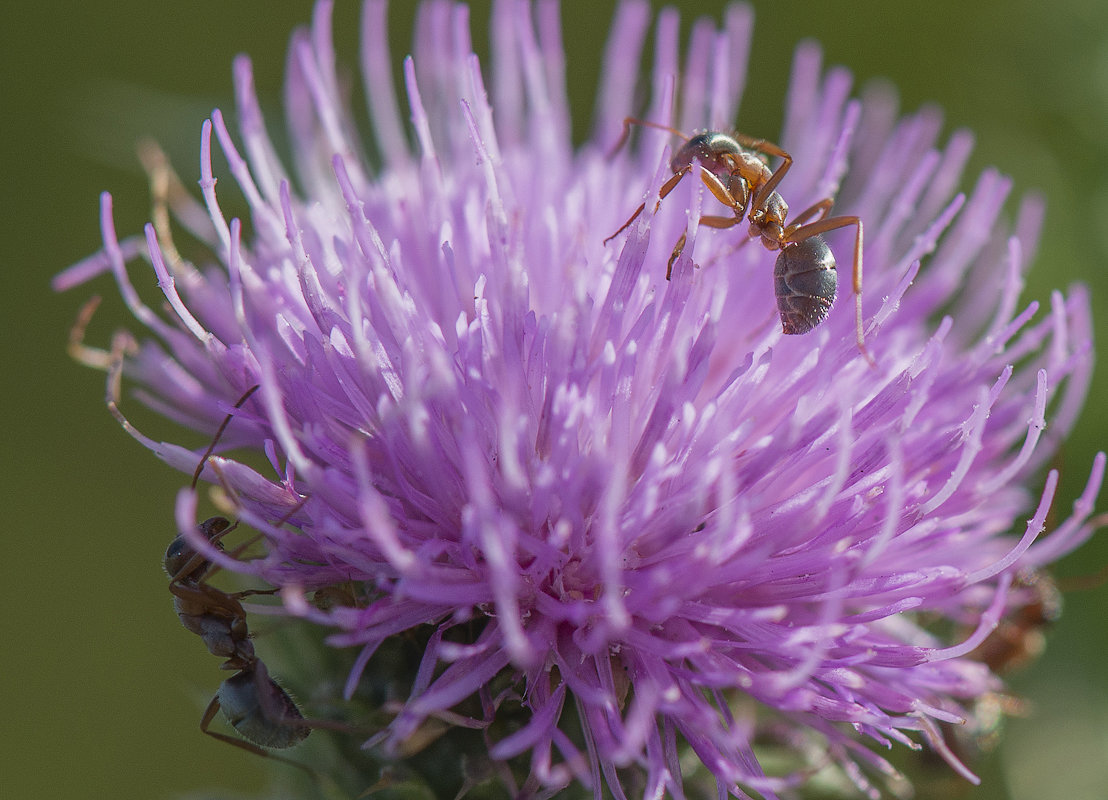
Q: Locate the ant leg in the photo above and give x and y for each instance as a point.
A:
(212, 598)
(219, 433)
(676, 253)
(667, 187)
(208, 596)
(770, 149)
(627, 224)
(762, 146)
(240, 595)
(629, 121)
(720, 223)
(708, 221)
(723, 194)
(830, 224)
(819, 211)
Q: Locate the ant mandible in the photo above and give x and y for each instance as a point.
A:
(732, 168)
(252, 702)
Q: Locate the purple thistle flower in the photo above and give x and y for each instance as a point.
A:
(588, 486)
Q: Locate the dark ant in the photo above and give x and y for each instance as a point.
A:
(259, 710)
(252, 702)
(733, 168)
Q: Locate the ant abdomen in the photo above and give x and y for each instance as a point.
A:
(260, 710)
(805, 282)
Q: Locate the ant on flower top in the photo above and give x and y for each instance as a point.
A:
(733, 168)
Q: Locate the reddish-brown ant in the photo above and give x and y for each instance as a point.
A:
(252, 702)
(1019, 638)
(733, 168)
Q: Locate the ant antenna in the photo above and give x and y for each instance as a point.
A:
(219, 433)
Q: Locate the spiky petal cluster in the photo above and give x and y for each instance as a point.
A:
(630, 494)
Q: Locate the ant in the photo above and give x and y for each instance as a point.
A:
(1020, 638)
(733, 168)
(1017, 641)
(252, 702)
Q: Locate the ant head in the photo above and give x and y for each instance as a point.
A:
(716, 151)
(182, 562)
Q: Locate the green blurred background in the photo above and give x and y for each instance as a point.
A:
(101, 689)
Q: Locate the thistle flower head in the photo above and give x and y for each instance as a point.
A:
(628, 515)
